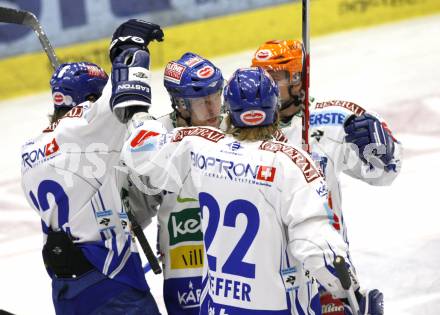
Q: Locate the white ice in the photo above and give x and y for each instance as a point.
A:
(394, 231)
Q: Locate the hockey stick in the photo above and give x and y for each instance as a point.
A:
(21, 17)
(344, 277)
(139, 233)
(306, 72)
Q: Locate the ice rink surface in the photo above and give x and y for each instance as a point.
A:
(394, 231)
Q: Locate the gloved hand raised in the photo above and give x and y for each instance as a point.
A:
(134, 33)
(131, 92)
(372, 139)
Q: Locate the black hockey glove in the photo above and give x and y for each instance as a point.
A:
(134, 33)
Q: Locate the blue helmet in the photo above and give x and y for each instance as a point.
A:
(73, 83)
(251, 97)
(192, 76)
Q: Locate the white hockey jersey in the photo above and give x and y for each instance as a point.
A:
(68, 177)
(330, 151)
(180, 242)
(258, 201)
(334, 156)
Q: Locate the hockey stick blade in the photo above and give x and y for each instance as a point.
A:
(8, 15)
(21, 17)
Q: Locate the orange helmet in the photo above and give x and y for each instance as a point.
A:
(279, 55)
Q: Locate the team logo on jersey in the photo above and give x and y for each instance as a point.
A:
(263, 54)
(189, 297)
(205, 72)
(307, 167)
(144, 141)
(322, 190)
(231, 170)
(203, 132)
(174, 72)
(40, 155)
(253, 117)
(266, 173)
(290, 278)
(186, 257)
(185, 226)
(330, 305)
(327, 118)
(317, 134)
(51, 147)
(191, 62)
(234, 146)
(320, 161)
(356, 109)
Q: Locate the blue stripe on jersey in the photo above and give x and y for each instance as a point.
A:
(44, 227)
(100, 198)
(130, 271)
(289, 302)
(117, 259)
(316, 304)
(330, 266)
(298, 306)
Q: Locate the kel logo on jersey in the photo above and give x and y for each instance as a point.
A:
(253, 117)
(41, 154)
(185, 226)
(205, 72)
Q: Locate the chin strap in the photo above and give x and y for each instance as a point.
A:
(295, 100)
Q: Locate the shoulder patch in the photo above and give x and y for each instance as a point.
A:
(356, 109)
(207, 133)
(307, 167)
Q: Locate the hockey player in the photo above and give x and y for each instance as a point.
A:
(194, 85)
(334, 127)
(259, 199)
(69, 179)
